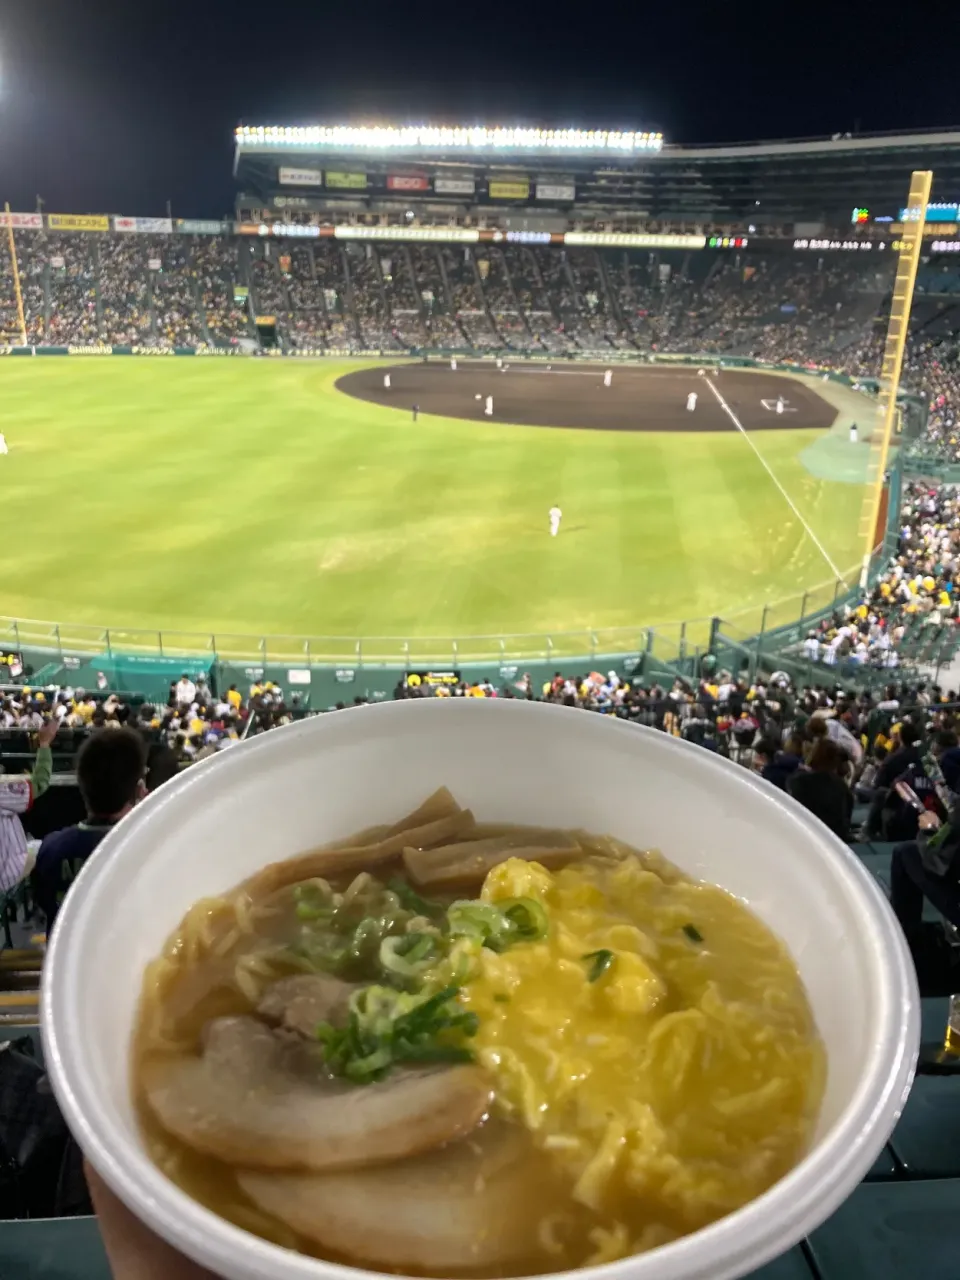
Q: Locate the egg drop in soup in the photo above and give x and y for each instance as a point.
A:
(454, 1047)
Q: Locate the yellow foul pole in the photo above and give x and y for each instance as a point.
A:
(890, 369)
(16, 274)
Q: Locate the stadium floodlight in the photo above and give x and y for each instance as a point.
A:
(463, 137)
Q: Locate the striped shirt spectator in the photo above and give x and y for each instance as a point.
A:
(17, 794)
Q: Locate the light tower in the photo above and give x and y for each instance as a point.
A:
(890, 370)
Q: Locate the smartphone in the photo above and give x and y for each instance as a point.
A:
(909, 796)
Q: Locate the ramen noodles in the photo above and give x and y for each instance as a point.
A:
(455, 1047)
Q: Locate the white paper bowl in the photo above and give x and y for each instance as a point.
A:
(294, 788)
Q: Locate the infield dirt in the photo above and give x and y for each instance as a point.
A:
(639, 399)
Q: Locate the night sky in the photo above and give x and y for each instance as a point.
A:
(110, 106)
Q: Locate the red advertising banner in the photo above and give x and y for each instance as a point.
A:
(31, 221)
(405, 182)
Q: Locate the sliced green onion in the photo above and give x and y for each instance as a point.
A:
(437, 1053)
(410, 955)
(323, 955)
(412, 901)
(387, 1027)
(363, 1070)
(693, 933)
(313, 901)
(528, 917)
(307, 911)
(311, 889)
(600, 962)
(477, 920)
(366, 936)
(498, 925)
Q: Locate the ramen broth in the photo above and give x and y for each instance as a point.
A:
(450, 1047)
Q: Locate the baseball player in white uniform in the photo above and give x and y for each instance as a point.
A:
(556, 515)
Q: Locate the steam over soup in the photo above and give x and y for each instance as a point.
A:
(449, 1046)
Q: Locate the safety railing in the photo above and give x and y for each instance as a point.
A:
(59, 640)
(665, 642)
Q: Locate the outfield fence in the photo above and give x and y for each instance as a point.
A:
(665, 641)
(328, 669)
(668, 641)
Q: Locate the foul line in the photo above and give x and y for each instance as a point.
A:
(763, 462)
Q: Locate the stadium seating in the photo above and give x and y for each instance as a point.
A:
(161, 289)
(329, 295)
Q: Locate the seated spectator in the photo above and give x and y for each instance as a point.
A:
(906, 752)
(17, 794)
(946, 749)
(820, 787)
(927, 867)
(699, 729)
(926, 780)
(110, 769)
(777, 766)
(745, 729)
(837, 729)
(162, 765)
(866, 783)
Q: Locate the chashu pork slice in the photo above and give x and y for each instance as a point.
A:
(302, 1001)
(261, 1098)
(466, 1206)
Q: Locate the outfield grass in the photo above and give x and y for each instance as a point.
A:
(251, 496)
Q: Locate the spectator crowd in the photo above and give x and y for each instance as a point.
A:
(192, 724)
(894, 751)
(913, 608)
(165, 291)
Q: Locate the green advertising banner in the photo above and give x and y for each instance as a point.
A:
(346, 181)
(203, 227)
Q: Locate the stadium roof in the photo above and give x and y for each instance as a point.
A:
(582, 170)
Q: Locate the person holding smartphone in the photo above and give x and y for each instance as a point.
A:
(927, 867)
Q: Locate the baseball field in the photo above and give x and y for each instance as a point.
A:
(301, 498)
